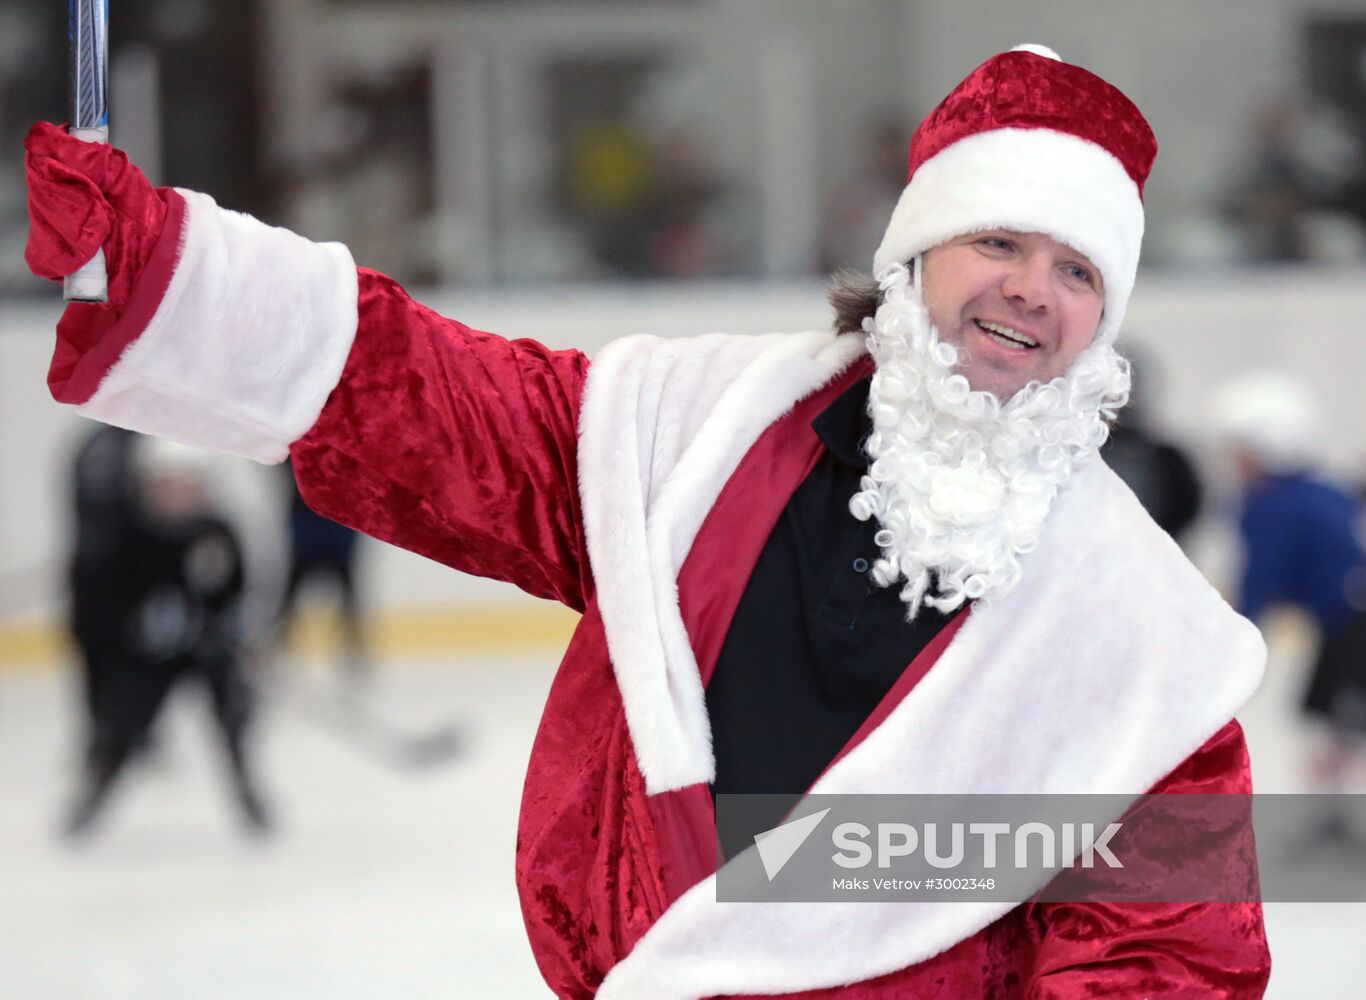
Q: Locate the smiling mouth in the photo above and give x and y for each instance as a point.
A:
(1007, 336)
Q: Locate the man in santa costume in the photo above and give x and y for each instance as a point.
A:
(880, 559)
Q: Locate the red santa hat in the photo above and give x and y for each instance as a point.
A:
(1030, 143)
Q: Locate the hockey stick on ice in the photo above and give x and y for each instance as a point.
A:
(88, 34)
(355, 724)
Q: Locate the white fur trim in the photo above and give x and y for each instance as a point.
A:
(247, 344)
(663, 425)
(1028, 180)
(1058, 688)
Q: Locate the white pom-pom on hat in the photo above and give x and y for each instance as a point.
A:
(1038, 50)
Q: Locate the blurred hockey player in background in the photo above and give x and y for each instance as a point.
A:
(323, 551)
(104, 506)
(1302, 548)
(1157, 469)
(179, 595)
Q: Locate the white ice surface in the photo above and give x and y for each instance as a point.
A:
(380, 883)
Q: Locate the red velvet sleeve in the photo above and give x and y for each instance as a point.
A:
(1161, 949)
(455, 444)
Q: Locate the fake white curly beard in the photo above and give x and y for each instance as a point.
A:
(960, 484)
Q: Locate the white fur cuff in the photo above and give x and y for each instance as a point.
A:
(247, 344)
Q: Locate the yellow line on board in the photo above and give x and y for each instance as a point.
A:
(43, 644)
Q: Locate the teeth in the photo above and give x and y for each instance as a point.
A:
(1005, 340)
(1007, 333)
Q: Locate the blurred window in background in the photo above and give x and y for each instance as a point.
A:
(371, 183)
(1337, 78)
(857, 212)
(645, 200)
(32, 87)
(1302, 195)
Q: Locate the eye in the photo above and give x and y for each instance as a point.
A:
(1079, 273)
(995, 243)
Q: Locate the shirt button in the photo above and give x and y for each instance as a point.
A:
(860, 565)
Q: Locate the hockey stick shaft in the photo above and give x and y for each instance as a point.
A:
(88, 35)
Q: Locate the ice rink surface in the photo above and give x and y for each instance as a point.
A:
(381, 881)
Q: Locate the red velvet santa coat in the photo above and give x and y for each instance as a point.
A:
(640, 493)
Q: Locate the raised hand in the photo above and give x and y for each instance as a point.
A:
(83, 196)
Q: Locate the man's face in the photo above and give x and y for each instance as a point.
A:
(1020, 307)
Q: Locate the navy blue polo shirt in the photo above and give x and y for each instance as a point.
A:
(814, 645)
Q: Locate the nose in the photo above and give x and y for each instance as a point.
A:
(1028, 283)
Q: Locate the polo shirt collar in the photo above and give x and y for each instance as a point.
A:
(844, 425)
